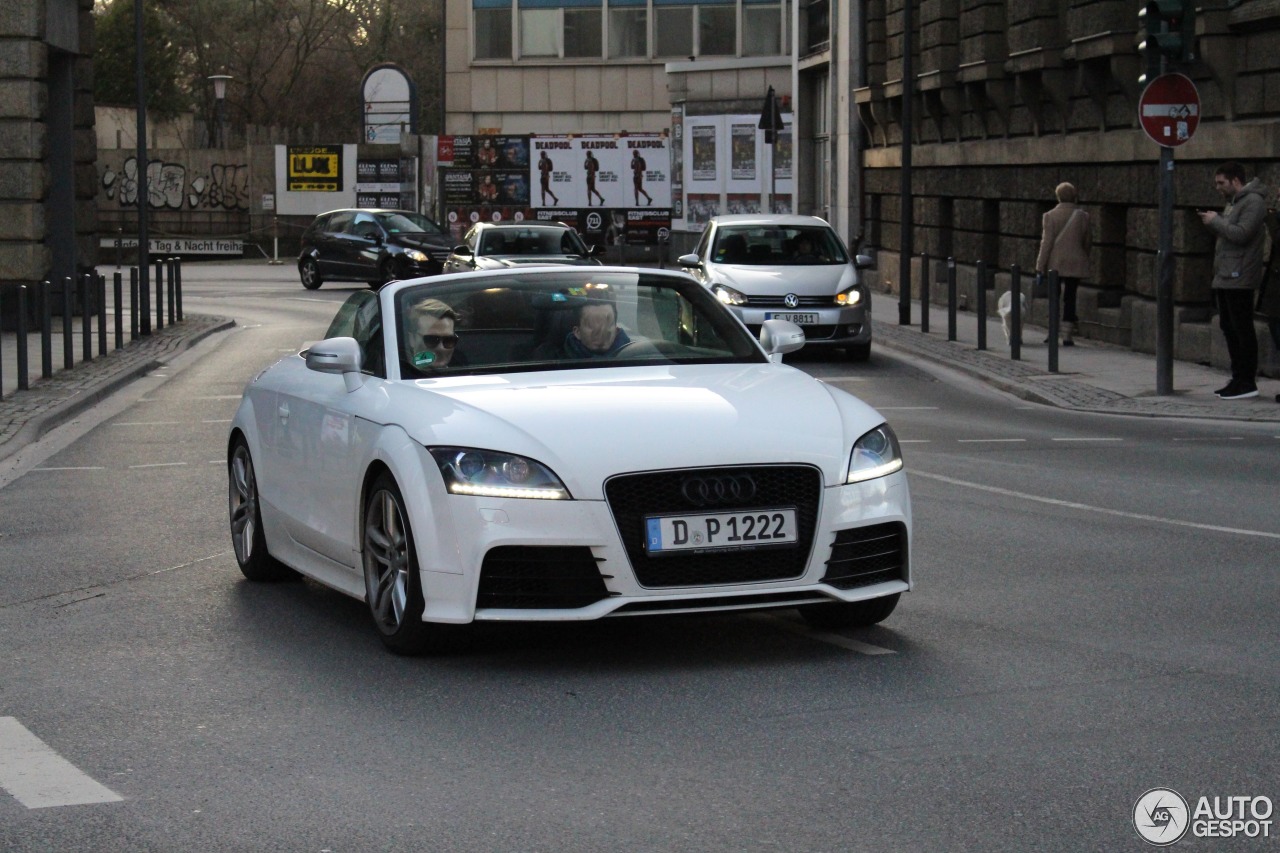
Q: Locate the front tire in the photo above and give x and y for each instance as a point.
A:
(247, 537)
(386, 273)
(392, 582)
(855, 614)
(310, 274)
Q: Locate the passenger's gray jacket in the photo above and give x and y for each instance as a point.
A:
(1237, 258)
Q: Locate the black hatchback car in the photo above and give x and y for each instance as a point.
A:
(376, 246)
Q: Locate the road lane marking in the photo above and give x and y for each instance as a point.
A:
(36, 776)
(829, 638)
(159, 465)
(73, 468)
(990, 440)
(907, 408)
(1086, 439)
(216, 421)
(996, 490)
(220, 397)
(148, 423)
(915, 441)
(1214, 438)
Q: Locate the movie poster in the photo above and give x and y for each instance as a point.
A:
(743, 147)
(703, 140)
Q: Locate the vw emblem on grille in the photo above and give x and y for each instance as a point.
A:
(791, 300)
(729, 488)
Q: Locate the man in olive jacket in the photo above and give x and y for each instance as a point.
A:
(1237, 272)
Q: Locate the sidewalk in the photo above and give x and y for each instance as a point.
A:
(27, 415)
(1092, 376)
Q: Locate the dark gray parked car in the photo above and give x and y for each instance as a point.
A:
(376, 246)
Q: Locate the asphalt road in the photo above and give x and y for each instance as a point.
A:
(1095, 617)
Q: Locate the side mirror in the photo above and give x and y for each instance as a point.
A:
(864, 262)
(780, 336)
(336, 355)
(691, 260)
(462, 250)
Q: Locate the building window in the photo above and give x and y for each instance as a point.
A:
(492, 30)
(673, 31)
(539, 33)
(761, 30)
(816, 26)
(718, 30)
(582, 36)
(628, 32)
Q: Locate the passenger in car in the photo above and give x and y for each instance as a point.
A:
(595, 333)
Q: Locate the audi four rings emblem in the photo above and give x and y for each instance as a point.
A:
(791, 300)
(701, 491)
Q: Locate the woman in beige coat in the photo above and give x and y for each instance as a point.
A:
(1064, 246)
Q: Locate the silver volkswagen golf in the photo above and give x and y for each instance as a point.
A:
(791, 268)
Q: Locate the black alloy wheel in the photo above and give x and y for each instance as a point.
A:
(310, 272)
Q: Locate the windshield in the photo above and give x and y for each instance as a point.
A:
(551, 320)
(777, 245)
(531, 240)
(408, 223)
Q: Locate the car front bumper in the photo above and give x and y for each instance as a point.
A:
(452, 562)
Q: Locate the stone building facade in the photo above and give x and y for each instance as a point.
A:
(1015, 96)
(47, 145)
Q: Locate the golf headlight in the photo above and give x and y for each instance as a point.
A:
(850, 297)
(487, 473)
(728, 295)
(876, 454)
(416, 256)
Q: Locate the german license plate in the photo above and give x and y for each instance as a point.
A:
(807, 318)
(720, 531)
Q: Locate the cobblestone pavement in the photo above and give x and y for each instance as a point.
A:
(27, 415)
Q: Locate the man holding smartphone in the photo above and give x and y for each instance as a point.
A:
(1237, 272)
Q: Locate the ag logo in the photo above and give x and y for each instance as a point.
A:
(594, 221)
(1161, 816)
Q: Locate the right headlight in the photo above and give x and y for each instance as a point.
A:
(490, 474)
(876, 454)
(728, 295)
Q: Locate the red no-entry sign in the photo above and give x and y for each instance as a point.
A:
(1169, 109)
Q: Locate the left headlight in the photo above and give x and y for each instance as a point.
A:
(490, 474)
(874, 455)
(416, 256)
(728, 295)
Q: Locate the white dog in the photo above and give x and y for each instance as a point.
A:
(1005, 309)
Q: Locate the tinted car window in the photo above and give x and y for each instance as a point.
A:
(408, 223)
(360, 317)
(339, 222)
(777, 245)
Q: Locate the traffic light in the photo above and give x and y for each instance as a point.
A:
(1169, 27)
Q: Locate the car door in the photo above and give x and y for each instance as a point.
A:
(327, 431)
(362, 247)
(329, 248)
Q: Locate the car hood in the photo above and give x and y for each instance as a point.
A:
(423, 241)
(503, 261)
(588, 425)
(815, 280)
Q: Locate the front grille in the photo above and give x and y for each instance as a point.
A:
(868, 555)
(633, 496)
(527, 577)
(805, 302)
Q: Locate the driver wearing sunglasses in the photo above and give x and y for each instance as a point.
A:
(432, 338)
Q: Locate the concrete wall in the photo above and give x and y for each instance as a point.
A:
(1014, 97)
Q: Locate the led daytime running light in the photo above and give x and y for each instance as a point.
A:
(878, 471)
(505, 492)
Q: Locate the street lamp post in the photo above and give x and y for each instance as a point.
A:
(220, 96)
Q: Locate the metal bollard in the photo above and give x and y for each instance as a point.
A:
(22, 337)
(86, 318)
(117, 283)
(101, 296)
(172, 264)
(1015, 313)
(1055, 299)
(68, 335)
(133, 303)
(46, 329)
(925, 263)
(177, 288)
(951, 299)
(144, 301)
(159, 295)
(982, 305)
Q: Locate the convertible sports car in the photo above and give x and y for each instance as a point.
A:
(564, 443)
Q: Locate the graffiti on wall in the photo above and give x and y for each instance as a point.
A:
(224, 187)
